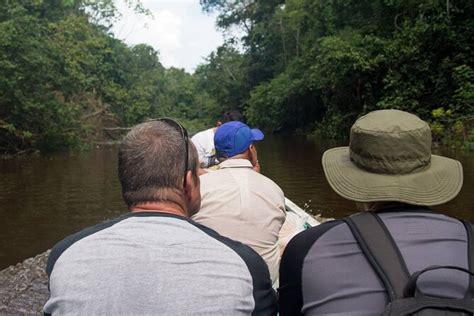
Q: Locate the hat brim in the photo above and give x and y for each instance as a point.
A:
(437, 184)
(257, 134)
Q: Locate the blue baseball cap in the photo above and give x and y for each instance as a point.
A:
(233, 138)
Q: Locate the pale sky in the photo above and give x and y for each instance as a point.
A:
(180, 31)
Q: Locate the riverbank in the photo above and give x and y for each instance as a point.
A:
(24, 287)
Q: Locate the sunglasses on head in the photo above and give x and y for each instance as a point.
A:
(184, 135)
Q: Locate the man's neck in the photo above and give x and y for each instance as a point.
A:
(240, 156)
(160, 207)
(376, 206)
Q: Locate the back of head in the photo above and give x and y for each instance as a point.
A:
(389, 159)
(234, 138)
(151, 163)
(232, 115)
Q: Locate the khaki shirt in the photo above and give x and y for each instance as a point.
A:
(246, 206)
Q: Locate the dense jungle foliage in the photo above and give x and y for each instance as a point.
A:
(304, 66)
(64, 77)
(316, 65)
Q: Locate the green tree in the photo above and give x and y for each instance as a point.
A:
(318, 65)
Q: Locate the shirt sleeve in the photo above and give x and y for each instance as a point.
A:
(291, 268)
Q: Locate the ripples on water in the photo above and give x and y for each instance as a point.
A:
(45, 198)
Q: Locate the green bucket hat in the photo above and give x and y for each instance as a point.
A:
(389, 159)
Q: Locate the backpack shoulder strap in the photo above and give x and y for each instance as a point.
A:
(470, 256)
(379, 248)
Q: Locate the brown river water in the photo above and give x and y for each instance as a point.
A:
(45, 198)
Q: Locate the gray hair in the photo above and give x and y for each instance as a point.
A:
(151, 163)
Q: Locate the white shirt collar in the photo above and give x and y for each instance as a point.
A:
(235, 163)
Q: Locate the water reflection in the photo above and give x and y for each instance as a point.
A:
(44, 198)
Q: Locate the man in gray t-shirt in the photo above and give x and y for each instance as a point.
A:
(155, 259)
(387, 169)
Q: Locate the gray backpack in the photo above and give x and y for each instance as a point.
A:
(404, 296)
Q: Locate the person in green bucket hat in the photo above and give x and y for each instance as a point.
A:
(346, 266)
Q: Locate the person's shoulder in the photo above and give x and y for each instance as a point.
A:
(303, 241)
(401, 213)
(213, 175)
(70, 240)
(267, 182)
(201, 135)
(264, 295)
(292, 262)
(246, 253)
(233, 244)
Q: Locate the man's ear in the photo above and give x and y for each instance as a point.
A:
(192, 193)
(191, 181)
(252, 152)
(218, 123)
(254, 158)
